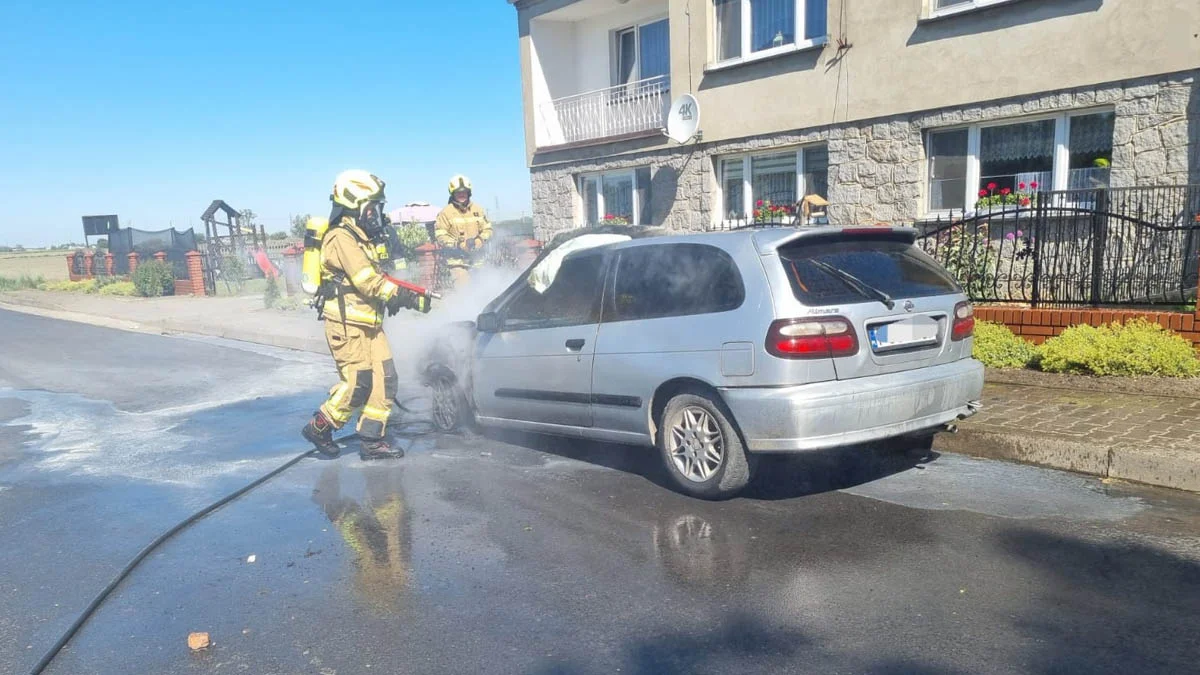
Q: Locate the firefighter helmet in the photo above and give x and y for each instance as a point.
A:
(356, 187)
(460, 182)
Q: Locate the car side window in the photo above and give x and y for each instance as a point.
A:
(572, 299)
(665, 280)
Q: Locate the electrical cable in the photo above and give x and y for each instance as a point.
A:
(191, 520)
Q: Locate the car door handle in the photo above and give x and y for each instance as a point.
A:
(575, 345)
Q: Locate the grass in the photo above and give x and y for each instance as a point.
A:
(21, 282)
(49, 266)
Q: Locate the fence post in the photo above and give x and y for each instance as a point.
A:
(108, 264)
(89, 260)
(1099, 238)
(195, 272)
(1035, 231)
(71, 268)
(161, 256)
(133, 262)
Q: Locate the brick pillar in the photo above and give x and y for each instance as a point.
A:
(89, 259)
(195, 272)
(530, 250)
(133, 262)
(291, 268)
(71, 268)
(161, 256)
(108, 264)
(427, 263)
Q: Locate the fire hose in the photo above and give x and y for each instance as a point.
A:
(191, 520)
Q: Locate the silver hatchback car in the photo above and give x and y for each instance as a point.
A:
(718, 347)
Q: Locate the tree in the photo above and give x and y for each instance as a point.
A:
(299, 225)
(248, 220)
(278, 236)
(102, 244)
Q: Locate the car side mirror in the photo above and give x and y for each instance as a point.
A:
(488, 322)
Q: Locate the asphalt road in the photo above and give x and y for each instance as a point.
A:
(516, 554)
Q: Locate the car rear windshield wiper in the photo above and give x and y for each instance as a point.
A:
(863, 288)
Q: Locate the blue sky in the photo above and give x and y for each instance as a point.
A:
(151, 110)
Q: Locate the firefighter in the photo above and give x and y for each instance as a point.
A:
(462, 228)
(353, 295)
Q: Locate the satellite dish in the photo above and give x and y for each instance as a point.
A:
(683, 122)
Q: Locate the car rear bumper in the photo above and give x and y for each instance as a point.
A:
(845, 412)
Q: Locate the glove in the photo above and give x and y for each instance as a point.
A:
(469, 244)
(406, 299)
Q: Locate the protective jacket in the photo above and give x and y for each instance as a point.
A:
(351, 265)
(455, 227)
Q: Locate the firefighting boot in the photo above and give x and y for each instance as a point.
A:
(379, 448)
(319, 432)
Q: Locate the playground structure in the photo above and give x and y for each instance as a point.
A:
(233, 248)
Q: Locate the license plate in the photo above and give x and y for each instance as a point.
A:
(906, 333)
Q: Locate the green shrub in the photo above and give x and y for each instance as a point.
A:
(121, 288)
(154, 278)
(997, 347)
(411, 236)
(81, 286)
(1135, 348)
(21, 283)
(271, 295)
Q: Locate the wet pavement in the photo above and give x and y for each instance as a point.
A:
(521, 554)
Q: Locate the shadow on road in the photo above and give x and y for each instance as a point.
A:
(778, 477)
(1107, 606)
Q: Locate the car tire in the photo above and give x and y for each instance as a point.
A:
(701, 449)
(450, 411)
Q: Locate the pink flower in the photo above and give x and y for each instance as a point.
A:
(1025, 201)
(1005, 192)
(1020, 186)
(1020, 233)
(1033, 185)
(1010, 236)
(991, 186)
(983, 193)
(759, 203)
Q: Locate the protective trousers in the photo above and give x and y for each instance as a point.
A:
(368, 378)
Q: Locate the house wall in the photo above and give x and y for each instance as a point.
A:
(877, 167)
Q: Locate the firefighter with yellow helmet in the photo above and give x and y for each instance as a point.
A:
(462, 228)
(352, 296)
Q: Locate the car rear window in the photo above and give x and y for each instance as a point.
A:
(896, 268)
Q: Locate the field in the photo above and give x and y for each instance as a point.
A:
(51, 266)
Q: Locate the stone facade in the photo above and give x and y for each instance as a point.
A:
(877, 168)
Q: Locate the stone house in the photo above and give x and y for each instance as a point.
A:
(892, 111)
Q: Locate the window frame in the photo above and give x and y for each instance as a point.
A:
(594, 312)
(615, 49)
(745, 55)
(935, 12)
(748, 197)
(599, 176)
(608, 311)
(1060, 172)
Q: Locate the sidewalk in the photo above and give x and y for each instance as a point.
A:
(1147, 431)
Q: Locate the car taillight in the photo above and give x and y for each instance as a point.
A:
(964, 322)
(812, 338)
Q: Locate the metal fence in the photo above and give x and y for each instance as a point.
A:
(1104, 247)
(623, 109)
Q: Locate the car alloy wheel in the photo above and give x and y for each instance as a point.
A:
(446, 412)
(696, 444)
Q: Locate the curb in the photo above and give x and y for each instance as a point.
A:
(1160, 467)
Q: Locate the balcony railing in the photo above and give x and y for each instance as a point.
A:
(606, 113)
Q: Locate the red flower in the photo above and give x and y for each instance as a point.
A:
(1005, 192)
(983, 193)
(608, 216)
(991, 186)
(1025, 201)
(757, 213)
(1020, 186)
(759, 203)
(1033, 185)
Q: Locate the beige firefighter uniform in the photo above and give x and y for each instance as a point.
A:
(354, 332)
(462, 228)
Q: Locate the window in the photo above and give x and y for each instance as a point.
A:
(781, 178)
(616, 198)
(571, 299)
(1064, 152)
(896, 268)
(745, 29)
(947, 7)
(642, 52)
(674, 280)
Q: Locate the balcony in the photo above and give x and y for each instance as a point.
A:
(616, 112)
(599, 71)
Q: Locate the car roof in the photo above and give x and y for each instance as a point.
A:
(767, 237)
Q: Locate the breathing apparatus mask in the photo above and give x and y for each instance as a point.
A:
(378, 227)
